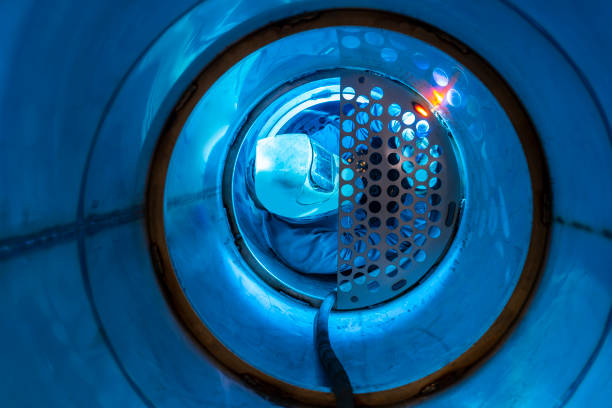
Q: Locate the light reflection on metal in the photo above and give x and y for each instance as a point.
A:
(421, 110)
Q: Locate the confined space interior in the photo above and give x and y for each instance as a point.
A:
(348, 158)
(343, 141)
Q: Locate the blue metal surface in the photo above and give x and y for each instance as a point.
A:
(469, 282)
(83, 94)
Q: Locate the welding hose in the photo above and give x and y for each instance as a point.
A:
(334, 371)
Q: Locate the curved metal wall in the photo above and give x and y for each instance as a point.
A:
(84, 322)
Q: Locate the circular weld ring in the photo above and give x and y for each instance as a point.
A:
(424, 32)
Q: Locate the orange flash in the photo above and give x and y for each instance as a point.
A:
(421, 110)
(439, 97)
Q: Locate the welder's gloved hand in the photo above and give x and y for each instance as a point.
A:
(295, 179)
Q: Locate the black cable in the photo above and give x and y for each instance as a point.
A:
(334, 371)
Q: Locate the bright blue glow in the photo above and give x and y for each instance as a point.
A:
(408, 135)
(421, 175)
(453, 97)
(274, 242)
(422, 143)
(347, 174)
(43, 286)
(408, 118)
(348, 93)
(395, 110)
(439, 76)
(422, 127)
(377, 109)
(376, 93)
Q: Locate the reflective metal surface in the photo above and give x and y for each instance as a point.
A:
(400, 192)
(84, 94)
(463, 284)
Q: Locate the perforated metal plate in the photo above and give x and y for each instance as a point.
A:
(400, 189)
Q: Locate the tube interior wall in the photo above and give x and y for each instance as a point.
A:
(83, 93)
